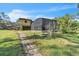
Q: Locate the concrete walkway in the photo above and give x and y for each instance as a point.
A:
(29, 48)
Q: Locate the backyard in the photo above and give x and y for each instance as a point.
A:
(9, 43)
(60, 45)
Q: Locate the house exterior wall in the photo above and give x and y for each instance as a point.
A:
(44, 24)
(37, 25)
(24, 23)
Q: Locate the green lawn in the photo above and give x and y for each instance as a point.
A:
(72, 37)
(9, 43)
(57, 47)
(61, 45)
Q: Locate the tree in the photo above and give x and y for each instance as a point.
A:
(4, 18)
(68, 24)
(52, 28)
(74, 26)
(65, 23)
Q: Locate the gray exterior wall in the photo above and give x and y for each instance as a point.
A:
(44, 24)
(37, 24)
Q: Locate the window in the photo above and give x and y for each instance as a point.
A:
(25, 21)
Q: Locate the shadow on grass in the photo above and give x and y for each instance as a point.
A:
(44, 36)
(54, 50)
(37, 36)
(68, 50)
(10, 49)
(74, 49)
(71, 37)
(50, 47)
(7, 40)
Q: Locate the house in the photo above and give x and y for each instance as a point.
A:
(25, 24)
(44, 24)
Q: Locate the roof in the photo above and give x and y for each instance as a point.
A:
(24, 19)
(45, 19)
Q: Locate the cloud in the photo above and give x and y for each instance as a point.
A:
(60, 8)
(42, 16)
(52, 9)
(16, 13)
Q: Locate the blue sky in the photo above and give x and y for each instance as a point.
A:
(36, 10)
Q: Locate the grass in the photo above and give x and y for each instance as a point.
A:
(60, 45)
(57, 47)
(72, 37)
(9, 43)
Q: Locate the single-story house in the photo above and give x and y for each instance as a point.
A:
(44, 24)
(25, 24)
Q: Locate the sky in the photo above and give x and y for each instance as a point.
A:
(37, 10)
